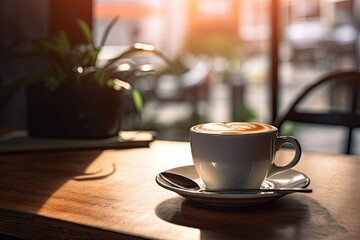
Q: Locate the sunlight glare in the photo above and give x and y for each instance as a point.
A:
(124, 67)
(145, 47)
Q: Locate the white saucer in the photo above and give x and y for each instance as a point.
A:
(286, 179)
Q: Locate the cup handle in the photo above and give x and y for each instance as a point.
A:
(280, 141)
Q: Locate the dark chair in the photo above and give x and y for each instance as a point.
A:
(343, 100)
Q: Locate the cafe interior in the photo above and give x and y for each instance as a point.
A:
(98, 99)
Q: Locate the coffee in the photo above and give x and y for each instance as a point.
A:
(238, 155)
(229, 128)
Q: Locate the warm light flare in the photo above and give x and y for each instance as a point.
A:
(119, 84)
(124, 67)
(146, 68)
(144, 47)
(80, 70)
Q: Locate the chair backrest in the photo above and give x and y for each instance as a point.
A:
(345, 84)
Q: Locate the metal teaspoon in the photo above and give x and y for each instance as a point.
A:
(185, 183)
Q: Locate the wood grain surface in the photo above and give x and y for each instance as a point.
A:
(112, 194)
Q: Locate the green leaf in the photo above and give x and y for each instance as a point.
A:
(90, 58)
(86, 31)
(108, 27)
(110, 83)
(52, 83)
(62, 41)
(138, 101)
(47, 45)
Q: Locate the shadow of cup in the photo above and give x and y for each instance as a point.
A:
(286, 218)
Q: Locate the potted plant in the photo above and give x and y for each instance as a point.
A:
(76, 97)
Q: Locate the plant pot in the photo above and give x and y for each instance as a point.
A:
(73, 111)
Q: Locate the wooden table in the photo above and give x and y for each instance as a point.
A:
(112, 195)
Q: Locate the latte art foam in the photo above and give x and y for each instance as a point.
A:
(233, 128)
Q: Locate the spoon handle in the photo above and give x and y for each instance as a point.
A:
(179, 181)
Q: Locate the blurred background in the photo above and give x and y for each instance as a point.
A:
(228, 47)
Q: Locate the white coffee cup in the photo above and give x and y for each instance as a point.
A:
(238, 155)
